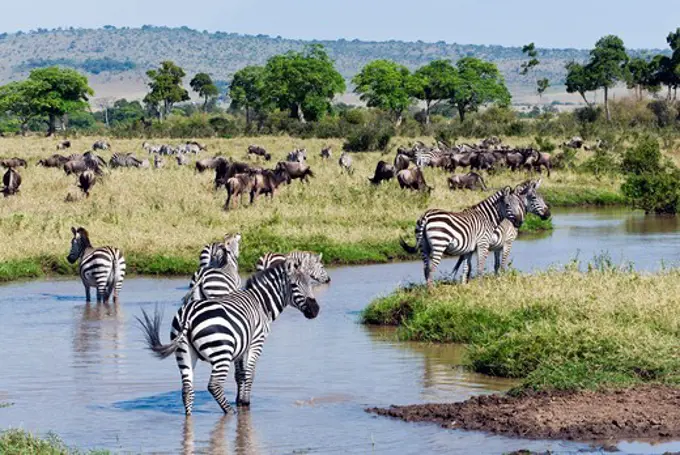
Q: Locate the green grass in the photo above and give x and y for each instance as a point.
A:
(554, 330)
(20, 442)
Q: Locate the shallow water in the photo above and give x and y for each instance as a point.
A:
(81, 370)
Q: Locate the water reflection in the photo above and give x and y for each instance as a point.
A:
(244, 442)
(100, 322)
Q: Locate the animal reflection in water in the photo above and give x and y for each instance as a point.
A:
(99, 328)
(245, 441)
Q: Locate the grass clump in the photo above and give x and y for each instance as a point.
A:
(20, 442)
(554, 330)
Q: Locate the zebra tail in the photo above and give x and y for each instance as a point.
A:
(111, 282)
(408, 248)
(151, 326)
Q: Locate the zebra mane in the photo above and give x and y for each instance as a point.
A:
(273, 272)
(491, 199)
(85, 236)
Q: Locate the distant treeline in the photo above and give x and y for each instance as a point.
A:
(91, 65)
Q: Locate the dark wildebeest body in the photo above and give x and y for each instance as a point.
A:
(383, 172)
(12, 163)
(11, 181)
(326, 153)
(259, 151)
(86, 181)
(208, 163)
(55, 160)
(80, 166)
(469, 181)
(413, 179)
(237, 186)
(227, 169)
(295, 170)
(101, 145)
(266, 182)
(401, 162)
(63, 145)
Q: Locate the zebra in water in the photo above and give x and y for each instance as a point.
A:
(505, 234)
(440, 232)
(221, 276)
(312, 262)
(231, 329)
(102, 267)
(213, 255)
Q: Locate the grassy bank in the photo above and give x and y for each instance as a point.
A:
(161, 218)
(19, 442)
(554, 330)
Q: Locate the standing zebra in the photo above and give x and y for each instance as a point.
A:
(219, 278)
(345, 163)
(310, 261)
(102, 267)
(231, 329)
(440, 232)
(505, 234)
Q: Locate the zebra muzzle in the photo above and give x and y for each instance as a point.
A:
(311, 308)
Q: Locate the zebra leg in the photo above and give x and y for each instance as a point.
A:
(455, 269)
(506, 254)
(482, 253)
(497, 260)
(186, 362)
(248, 366)
(88, 297)
(220, 371)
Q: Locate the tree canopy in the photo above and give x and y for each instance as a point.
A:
(166, 88)
(607, 65)
(247, 91)
(434, 83)
(203, 84)
(386, 85)
(479, 83)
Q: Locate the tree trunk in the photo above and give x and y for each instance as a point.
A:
(461, 112)
(398, 119)
(427, 112)
(205, 104)
(248, 119)
(583, 95)
(106, 115)
(51, 126)
(606, 103)
(301, 115)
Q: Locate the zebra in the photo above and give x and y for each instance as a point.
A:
(231, 329)
(218, 278)
(102, 267)
(440, 232)
(312, 262)
(297, 155)
(213, 254)
(345, 162)
(505, 234)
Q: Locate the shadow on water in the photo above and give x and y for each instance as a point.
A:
(244, 440)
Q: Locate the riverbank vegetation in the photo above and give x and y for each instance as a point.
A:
(558, 329)
(20, 442)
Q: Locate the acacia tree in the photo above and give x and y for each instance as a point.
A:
(203, 84)
(304, 83)
(541, 84)
(434, 83)
(57, 92)
(640, 76)
(578, 80)
(247, 91)
(386, 85)
(166, 88)
(17, 99)
(607, 65)
(479, 83)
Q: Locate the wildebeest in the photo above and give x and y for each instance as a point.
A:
(266, 182)
(11, 181)
(401, 162)
(86, 181)
(13, 162)
(55, 160)
(208, 163)
(383, 172)
(345, 162)
(295, 170)
(93, 159)
(80, 166)
(101, 145)
(227, 169)
(469, 181)
(326, 153)
(158, 162)
(413, 179)
(237, 186)
(63, 145)
(259, 151)
(297, 155)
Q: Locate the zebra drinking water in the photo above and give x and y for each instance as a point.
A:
(505, 234)
(440, 232)
(102, 267)
(312, 262)
(231, 329)
(221, 276)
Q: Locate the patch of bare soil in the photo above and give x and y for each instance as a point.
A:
(643, 412)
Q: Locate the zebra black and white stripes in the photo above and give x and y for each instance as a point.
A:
(102, 268)
(311, 262)
(231, 329)
(221, 276)
(440, 232)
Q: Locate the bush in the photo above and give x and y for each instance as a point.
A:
(645, 157)
(369, 139)
(665, 113)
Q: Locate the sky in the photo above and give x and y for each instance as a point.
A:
(570, 24)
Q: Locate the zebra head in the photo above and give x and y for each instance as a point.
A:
(312, 265)
(301, 288)
(232, 243)
(79, 243)
(534, 202)
(511, 208)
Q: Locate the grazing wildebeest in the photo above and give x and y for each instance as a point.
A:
(158, 162)
(413, 179)
(80, 166)
(297, 155)
(515, 160)
(93, 159)
(101, 145)
(295, 170)
(345, 162)
(266, 182)
(86, 181)
(326, 153)
(469, 181)
(208, 163)
(63, 145)
(383, 172)
(182, 159)
(401, 162)
(259, 151)
(237, 186)
(227, 169)
(13, 163)
(54, 161)
(543, 160)
(11, 181)
(483, 161)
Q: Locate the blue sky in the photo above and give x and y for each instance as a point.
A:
(572, 23)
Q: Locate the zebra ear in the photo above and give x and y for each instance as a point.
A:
(506, 191)
(537, 183)
(73, 230)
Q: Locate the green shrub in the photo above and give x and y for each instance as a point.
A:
(657, 192)
(368, 139)
(645, 157)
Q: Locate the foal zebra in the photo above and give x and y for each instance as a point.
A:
(102, 267)
(219, 279)
(440, 232)
(231, 329)
(505, 234)
(310, 261)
